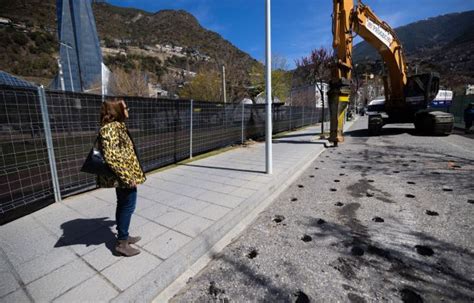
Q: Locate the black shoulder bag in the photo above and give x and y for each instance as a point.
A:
(95, 162)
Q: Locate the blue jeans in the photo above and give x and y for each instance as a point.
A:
(126, 202)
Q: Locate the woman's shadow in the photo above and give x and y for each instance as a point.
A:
(88, 232)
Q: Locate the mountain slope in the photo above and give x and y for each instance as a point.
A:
(164, 27)
(136, 28)
(420, 35)
(444, 44)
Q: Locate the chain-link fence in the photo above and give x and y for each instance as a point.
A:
(25, 175)
(46, 136)
(460, 103)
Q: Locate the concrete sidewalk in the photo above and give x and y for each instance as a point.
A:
(64, 251)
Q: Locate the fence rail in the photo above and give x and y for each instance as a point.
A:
(36, 146)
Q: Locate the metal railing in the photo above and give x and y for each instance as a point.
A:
(46, 135)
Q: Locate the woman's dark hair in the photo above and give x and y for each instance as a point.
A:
(112, 110)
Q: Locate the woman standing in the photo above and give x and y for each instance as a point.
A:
(121, 156)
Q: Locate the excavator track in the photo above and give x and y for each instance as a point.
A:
(434, 123)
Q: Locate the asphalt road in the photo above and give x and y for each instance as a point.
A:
(378, 219)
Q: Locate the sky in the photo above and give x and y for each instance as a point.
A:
(298, 26)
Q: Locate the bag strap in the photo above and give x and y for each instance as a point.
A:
(96, 141)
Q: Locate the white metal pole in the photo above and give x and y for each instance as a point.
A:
(268, 61)
(291, 106)
(61, 75)
(191, 130)
(102, 81)
(49, 144)
(69, 67)
(242, 121)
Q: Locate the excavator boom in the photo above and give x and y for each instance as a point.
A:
(360, 19)
(384, 39)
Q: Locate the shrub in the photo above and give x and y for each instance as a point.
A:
(19, 38)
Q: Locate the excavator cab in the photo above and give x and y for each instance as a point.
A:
(420, 90)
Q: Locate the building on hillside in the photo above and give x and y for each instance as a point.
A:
(309, 95)
(469, 89)
(81, 66)
(156, 91)
(5, 21)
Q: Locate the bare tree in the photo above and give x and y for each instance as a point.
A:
(133, 83)
(316, 69)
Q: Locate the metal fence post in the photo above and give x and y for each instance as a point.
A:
(291, 114)
(303, 116)
(242, 124)
(49, 143)
(191, 131)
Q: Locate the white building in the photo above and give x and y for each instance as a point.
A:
(469, 89)
(156, 91)
(5, 21)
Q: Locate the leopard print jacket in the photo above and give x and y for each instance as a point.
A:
(120, 154)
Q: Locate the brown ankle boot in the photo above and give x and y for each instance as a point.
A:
(133, 240)
(124, 248)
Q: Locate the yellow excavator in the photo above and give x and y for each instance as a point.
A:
(407, 99)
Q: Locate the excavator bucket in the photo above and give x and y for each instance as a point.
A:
(338, 102)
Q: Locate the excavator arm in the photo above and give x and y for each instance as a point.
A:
(341, 72)
(360, 19)
(384, 39)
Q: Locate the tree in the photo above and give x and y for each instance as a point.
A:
(236, 74)
(206, 86)
(132, 83)
(281, 79)
(316, 69)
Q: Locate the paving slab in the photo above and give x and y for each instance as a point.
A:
(95, 289)
(154, 211)
(101, 258)
(190, 205)
(167, 244)
(59, 281)
(27, 246)
(129, 270)
(213, 212)
(148, 231)
(172, 218)
(19, 296)
(193, 226)
(8, 283)
(44, 264)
